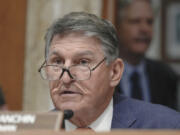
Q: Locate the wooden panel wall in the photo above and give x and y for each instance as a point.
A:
(12, 44)
(109, 10)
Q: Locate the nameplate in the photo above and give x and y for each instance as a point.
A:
(14, 121)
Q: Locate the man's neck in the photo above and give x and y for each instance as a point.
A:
(102, 123)
(85, 117)
(133, 59)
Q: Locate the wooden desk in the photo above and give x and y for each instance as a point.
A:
(115, 132)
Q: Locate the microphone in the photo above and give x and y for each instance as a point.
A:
(68, 114)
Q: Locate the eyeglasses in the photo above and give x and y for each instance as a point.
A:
(76, 72)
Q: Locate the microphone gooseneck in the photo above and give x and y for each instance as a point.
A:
(68, 114)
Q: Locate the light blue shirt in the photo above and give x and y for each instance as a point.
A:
(144, 82)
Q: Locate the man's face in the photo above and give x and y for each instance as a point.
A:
(87, 96)
(136, 27)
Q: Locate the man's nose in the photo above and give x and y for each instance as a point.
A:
(66, 76)
(146, 27)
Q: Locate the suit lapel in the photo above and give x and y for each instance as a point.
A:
(153, 83)
(122, 114)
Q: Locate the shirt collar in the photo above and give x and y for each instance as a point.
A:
(130, 68)
(102, 123)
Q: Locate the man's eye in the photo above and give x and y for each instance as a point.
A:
(56, 61)
(150, 21)
(134, 21)
(84, 62)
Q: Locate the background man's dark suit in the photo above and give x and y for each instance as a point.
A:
(163, 83)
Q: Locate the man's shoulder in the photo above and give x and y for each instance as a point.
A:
(147, 115)
(157, 64)
(158, 67)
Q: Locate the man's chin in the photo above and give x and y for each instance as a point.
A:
(140, 50)
(141, 47)
(67, 106)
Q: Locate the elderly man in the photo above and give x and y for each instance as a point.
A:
(83, 69)
(143, 78)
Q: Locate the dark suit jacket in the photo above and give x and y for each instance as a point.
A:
(2, 100)
(132, 113)
(163, 83)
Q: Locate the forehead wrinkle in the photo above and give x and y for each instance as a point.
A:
(85, 53)
(79, 54)
(140, 12)
(63, 46)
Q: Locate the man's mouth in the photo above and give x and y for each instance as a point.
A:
(69, 92)
(143, 40)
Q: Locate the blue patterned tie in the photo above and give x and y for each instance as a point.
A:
(136, 91)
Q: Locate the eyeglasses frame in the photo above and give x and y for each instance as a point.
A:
(67, 69)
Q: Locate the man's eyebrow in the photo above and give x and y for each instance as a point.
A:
(54, 53)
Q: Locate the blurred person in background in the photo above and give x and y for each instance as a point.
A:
(3, 105)
(143, 78)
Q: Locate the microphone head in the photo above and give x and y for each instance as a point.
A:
(68, 114)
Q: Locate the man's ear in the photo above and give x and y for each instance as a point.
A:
(116, 72)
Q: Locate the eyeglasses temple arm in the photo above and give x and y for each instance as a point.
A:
(39, 70)
(98, 64)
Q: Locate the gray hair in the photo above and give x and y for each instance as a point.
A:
(90, 25)
(122, 4)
